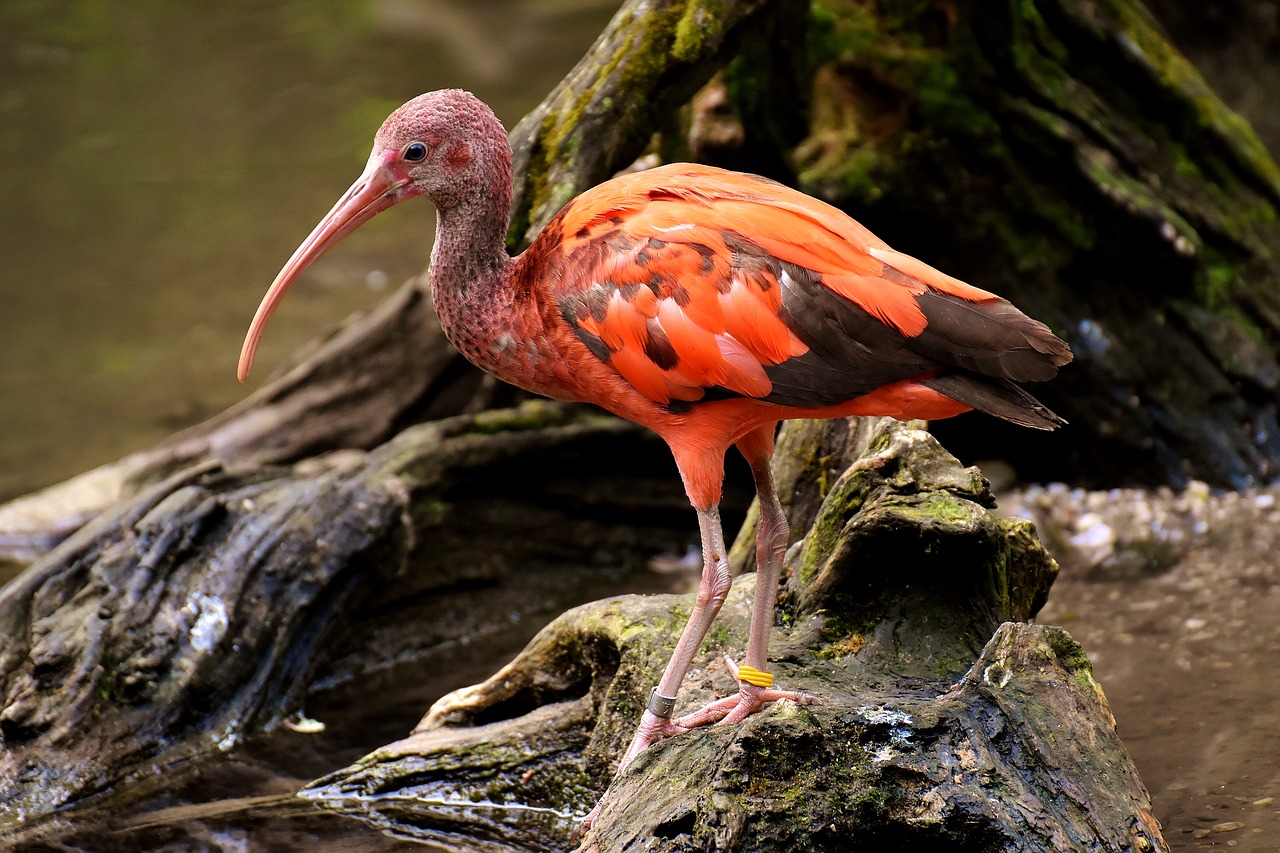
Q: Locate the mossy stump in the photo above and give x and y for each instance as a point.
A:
(943, 720)
(202, 611)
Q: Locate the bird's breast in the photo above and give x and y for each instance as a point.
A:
(518, 348)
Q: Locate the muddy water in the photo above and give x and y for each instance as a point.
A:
(159, 161)
(1176, 598)
(244, 800)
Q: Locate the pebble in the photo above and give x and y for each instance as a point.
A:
(1228, 826)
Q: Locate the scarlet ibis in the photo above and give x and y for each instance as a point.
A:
(704, 304)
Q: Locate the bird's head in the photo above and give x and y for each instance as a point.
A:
(446, 145)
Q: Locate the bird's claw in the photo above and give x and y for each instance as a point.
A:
(734, 709)
(652, 729)
(749, 699)
(579, 834)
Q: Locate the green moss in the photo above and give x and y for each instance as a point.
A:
(861, 130)
(847, 623)
(840, 644)
(719, 637)
(1072, 657)
(646, 49)
(940, 507)
(1176, 72)
(943, 100)
(428, 510)
(693, 28)
(947, 667)
(794, 789)
(841, 30)
(1214, 279)
(530, 415)
(824, 536)
(558, 138)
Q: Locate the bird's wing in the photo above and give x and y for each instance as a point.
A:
(688, 278)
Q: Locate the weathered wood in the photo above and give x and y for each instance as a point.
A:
(351, 390)
(943, 719)
(1064, 155)
(643, 68)
(200, 611)
(392, 367)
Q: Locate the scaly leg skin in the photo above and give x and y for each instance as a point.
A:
(771, 545)
(656, 723)
(771, 542)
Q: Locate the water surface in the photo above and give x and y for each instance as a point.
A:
(162, 159)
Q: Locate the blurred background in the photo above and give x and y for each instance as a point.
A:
(159, 162)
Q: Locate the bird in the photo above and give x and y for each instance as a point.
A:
(706, 305)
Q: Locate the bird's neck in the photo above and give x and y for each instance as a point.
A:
(470, 266)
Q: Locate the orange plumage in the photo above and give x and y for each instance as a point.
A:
(706, 305)
(694, 286)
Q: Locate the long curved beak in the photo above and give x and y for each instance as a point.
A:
(379, 188)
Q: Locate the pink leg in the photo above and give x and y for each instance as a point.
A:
(771, 545)
(771, 541)
(656, 722)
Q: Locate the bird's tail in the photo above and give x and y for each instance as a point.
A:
(997, 397)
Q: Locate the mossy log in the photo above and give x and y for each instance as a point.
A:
(205, 608)
(382, 371)
(351, 390)
(1060, 153)
(1057, 152)
(1063, 154)
(942, 720)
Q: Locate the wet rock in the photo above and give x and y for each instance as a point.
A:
(165, 630)
(939, 723)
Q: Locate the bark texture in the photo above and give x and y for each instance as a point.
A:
(353, 389)
(202, 610)
(1064, 155)
(943, 721)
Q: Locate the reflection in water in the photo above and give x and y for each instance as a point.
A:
(163, 159)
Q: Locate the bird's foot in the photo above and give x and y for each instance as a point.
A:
(652, 729)
(751, 697)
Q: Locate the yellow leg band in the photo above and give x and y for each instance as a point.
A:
(751, 675)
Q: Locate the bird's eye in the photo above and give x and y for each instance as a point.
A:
(415, 151)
